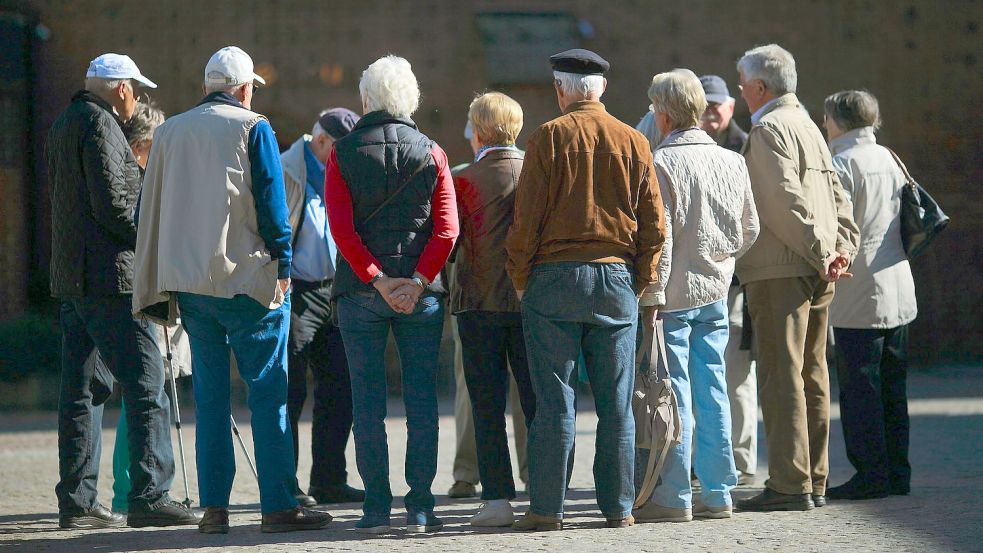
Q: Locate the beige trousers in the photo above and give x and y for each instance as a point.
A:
(790, 318)
(742, 388)
(466, 455)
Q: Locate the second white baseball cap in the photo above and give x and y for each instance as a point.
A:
(117, 66)
(230, 66)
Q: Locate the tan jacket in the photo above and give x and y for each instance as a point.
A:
(587, 193)
(295, 180)
(485, 203)
(804, 213)
(198, 230)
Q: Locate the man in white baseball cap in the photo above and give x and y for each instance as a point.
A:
(215, 235)
(95, 180)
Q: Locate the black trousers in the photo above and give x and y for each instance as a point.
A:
(872, 366)
(315, 345)
(129, 349)
(490, 343)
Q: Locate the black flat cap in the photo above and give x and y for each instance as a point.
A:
(579, 61)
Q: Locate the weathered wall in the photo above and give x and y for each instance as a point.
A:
(921, 58)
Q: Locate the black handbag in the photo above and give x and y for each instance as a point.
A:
(921, 217)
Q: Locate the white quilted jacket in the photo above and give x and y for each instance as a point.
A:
(710, 220)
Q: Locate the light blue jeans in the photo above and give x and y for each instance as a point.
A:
(258, 337)
(569, 309)
(695, 343)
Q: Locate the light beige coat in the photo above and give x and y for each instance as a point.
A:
(805, 214)
(198, 230)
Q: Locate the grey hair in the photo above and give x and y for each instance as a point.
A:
(852, 109)
(389, 85)
(230, 88)
(145, 120)
(579, 85)
(317, 130)
(100, 85)
(678, 94)
(771, 64)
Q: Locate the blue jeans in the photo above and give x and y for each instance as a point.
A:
(569, 308)
(129, 349)
(365, 321)
(258, 338)
(695, 343)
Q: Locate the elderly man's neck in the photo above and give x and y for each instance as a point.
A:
(570, 99)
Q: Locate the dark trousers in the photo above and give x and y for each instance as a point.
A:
(490, 343)
(872, 365)
(316, 346)
(129, 349)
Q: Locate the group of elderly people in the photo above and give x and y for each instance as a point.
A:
(563, 251)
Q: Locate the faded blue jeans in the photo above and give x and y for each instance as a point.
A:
(572, 308)
(695, 343)
(365, 320)
(258, 337)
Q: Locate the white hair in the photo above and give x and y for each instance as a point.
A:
(390, 85)
(574, 84)
(100, 85)
(771, 64)
(230, 88)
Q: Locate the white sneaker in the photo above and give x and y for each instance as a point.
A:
(494, 513)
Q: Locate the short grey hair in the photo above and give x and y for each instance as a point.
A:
(678, 94)
(852, 109)
(229, 88)
(101, 86)
(771, 64)
(389, 85)
(145, 120)
(574, 84)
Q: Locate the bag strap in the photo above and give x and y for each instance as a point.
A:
(662, 366)
(904, 170)
(653, 471)
(398, 190)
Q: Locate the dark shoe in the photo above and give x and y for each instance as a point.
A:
(214, 521)
(336, 494)
(165, 512)
(303, 499)
(619, 522)
(294, 519)
(462, 489)
(373, 524)
(531, 522)
(819, 500)
(770, 500)
(900, 489)
(96, 517)
(419, 522)
(856, 489)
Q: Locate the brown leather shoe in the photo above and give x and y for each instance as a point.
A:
(294, 519)
(770, 500)
(531, 522)
(620, 522)
(215, 521)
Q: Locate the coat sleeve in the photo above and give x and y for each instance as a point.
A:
(847, 233)
(778, 193)
(112, 181)
(531, 205)
(270, 196)
(446, 226)
(655, 292)
(750, 225)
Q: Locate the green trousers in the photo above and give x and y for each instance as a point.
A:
(121, 466)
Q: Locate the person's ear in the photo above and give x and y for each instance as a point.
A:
(604, 87)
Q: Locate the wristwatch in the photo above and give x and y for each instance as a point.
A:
(379, 275)
(420, 282)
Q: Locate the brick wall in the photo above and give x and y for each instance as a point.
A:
(922, 62)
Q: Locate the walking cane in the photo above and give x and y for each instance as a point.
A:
(242, 444)
(176, 406)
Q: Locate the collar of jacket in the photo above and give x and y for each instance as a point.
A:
(502, 153)
(687, 137)
(87, 96)
(381, 117)
(585, 105)
(222, 98)
(849, 139)
(785, 100)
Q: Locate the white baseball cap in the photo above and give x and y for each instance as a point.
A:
(230, 66)
(117, 66)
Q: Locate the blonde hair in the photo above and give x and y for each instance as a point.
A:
(678, 94)
(388, 84)
(496, 118)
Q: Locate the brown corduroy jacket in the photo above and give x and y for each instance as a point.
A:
(588, 193)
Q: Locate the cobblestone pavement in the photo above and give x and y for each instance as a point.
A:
(941, 514)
